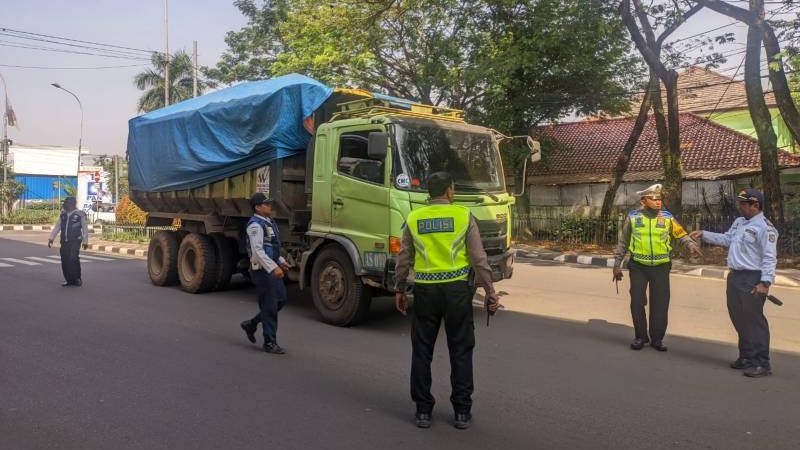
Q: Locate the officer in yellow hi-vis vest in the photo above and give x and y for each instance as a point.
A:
(647, 234)
(442, 242)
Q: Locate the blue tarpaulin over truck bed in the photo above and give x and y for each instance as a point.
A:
(221, 134)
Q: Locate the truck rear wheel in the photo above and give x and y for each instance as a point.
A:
(162, 258)
(339, 295)
(227, 256)
(197, 263)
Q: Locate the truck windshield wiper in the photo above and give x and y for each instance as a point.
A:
(477, 190)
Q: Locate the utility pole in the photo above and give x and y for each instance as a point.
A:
(4, 148)
(166, 53)
(194, 68)
(116, 179)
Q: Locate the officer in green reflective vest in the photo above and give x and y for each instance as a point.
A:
(647, 234)
(443, 244)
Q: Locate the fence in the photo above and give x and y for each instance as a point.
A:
(117, 231)
(571, 230)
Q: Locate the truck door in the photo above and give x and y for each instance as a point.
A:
(360, 197)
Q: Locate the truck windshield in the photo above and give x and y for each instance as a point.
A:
(471, 158)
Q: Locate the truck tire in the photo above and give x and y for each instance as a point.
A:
(227, 258)
(197, 263)
(162, 258)
(339, 295)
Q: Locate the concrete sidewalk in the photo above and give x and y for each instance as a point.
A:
(784, 277)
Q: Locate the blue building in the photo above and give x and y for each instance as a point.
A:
(46, 171)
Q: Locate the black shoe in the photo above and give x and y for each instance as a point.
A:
(638, 343)
(422, 420)
(463, 421)
(757, 371)
(741, 363)
(249, 330)
(78, 282)
(66, 283)
(658, 345)
(271, 347)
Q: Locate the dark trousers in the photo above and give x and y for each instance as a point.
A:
(451, 302)
(271, 298)
(70, 260)
(657, 279)
(747, 314)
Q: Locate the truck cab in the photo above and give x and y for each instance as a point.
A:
(370, 166)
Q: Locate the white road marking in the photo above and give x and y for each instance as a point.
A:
(21, 261)
(97, 258)
(6, 265)
(36, 258)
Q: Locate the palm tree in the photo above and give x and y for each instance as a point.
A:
(180, 79)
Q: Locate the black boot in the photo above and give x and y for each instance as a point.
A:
(249, 330)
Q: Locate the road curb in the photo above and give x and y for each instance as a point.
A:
(118, 250)
(92, 228)
(681, 269)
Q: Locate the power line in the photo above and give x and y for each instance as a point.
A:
(108, 51)
(73, 52)
(76, 40)
(71, 68)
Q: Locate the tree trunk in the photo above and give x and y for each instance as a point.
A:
(625, 158)
(767, 140)
(780, 86)
(673, 167)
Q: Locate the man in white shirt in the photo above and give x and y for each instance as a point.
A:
(267, 269)
(752, 256)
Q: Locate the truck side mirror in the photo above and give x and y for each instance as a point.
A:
(536, 149)
(378, 145)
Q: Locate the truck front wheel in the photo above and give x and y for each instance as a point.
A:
(162, 258)
(339, 295)
(197, 263)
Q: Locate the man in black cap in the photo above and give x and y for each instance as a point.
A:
(752, 257)
(74, 231)
(267, 268)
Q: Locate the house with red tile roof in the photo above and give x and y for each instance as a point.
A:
(723, 100)
(716, 161)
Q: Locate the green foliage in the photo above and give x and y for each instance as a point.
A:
(509, 64)
(10, 191)
(583, 229)
(44, 206)
(180, 80)
(139, 238)
(31, 217)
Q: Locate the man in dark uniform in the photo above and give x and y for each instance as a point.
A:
(752, 257)
(443, 243)
(71, 224)
(647, 234)
(267, 269)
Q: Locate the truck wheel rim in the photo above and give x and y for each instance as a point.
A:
(331, 286)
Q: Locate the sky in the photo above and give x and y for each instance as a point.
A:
(48, 116)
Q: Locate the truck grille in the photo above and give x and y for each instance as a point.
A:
(493, 235)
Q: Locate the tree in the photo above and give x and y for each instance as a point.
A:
(10, 192)
(754, 18)
(668, 130)
(253, 49)
(181, 82)
(760, 31)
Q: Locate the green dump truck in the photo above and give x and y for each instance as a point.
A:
(345, 167)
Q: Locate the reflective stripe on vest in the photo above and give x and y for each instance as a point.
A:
(440, 243)
(651, 243)
(271, 245)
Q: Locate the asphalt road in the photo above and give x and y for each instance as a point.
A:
(122, 364)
